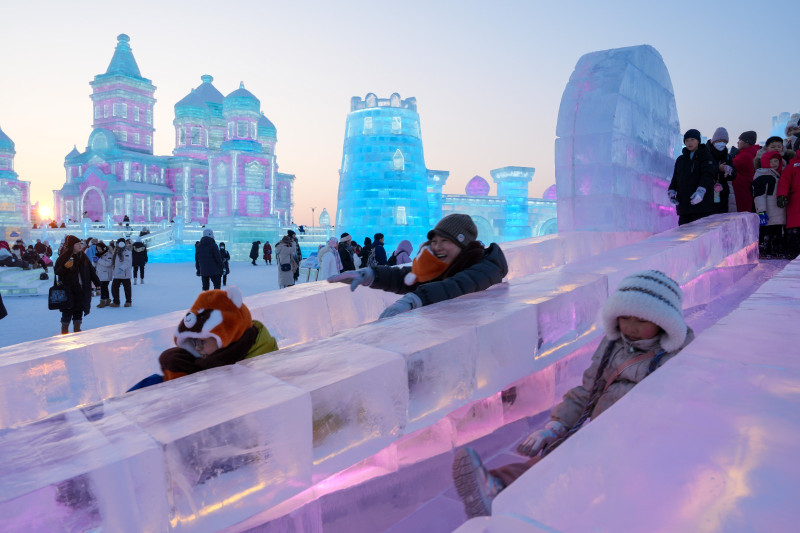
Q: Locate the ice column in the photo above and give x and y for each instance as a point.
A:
(512, 185)
(436, 181)
(617, 128)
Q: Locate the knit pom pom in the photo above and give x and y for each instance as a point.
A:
(410, 279)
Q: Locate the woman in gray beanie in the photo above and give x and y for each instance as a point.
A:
(451, 263)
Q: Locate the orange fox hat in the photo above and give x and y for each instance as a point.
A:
(425, 267)
(219, 314)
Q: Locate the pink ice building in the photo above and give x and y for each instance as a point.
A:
(222, 171)
(14, 194)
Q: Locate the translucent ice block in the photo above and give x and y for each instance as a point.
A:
(70, 473)
(234, 442)
(359, 397)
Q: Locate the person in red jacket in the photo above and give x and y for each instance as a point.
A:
(745, 169)
(789, 197)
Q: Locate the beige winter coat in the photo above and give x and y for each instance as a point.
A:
(286, 254)
(570, 409)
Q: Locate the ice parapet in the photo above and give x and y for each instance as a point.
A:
(617, 130)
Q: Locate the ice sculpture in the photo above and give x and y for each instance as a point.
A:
(14, 194)
(383, 184)
(617, 130)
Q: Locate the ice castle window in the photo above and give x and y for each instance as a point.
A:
(135, 138)
(149, 140)
(201, 209)
(367, 125)
(254, 175)
(197, 136)
(241, 129)
(400, 216)
(136, 114)
(139, 206)
(397, 125)
(97, 111)
(181, 136)
(230, 129)
(105, 111)
(178, 208)
(159, 208)
(255, 205)
(199, 185)
(70, 207)
(123, 136)
(117, 206)
(222, 205)
(222, 175)
(398, 161)
(149, 116)
(121, 110)
(5, 163)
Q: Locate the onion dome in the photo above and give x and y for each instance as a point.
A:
(550, 193)
(241, 100)
(6, 143)
(266, 129)
(199, 100)
(477, 186)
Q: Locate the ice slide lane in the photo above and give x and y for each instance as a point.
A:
(43, 377)
(215, 448)
(713, 446)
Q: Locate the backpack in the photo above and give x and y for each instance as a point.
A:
(371, 261)
(392, 261)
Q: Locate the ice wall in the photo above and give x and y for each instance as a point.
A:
(716, 432)
(617, 129)
(237, 440)
(43, 377)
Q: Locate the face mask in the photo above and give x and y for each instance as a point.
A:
(719, 146)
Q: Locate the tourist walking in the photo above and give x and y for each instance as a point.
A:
(226, 258)
(105, 272)
(122, 272)
(267, 253)
(329, 262)
(76, 275)
(286, 257)
(254, 251)
(139, 251)
(209, 261)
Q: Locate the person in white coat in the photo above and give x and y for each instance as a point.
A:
(123, 272)
(329, 262)
(104, 267)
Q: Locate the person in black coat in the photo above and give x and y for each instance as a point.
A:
(726, 173)
(226, 267)
(380, 251)
(692, 185)
(254, 251)
(76, 274)
(471, 268)
(139, 258)
(346, 253)
(209, 260)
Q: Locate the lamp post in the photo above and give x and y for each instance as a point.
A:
(312, 216)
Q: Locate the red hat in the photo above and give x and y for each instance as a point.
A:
(218, 314)
(767, 156)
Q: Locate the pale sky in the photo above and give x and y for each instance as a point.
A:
(488, 76)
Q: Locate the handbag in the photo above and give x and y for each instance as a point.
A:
(286, 267)
(58, 297)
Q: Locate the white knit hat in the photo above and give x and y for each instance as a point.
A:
(650, 295)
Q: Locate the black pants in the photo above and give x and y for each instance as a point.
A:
(224, 279)
(75, 314)
(138, 269)
(690, 217)
(126, 284)
(771, 241)
(104, 290)
(214, 279)
(792, 243)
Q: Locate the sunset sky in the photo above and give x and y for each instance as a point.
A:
(488, 76)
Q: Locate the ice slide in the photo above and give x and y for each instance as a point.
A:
(216, 448)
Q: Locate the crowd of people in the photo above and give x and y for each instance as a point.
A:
(709, 178)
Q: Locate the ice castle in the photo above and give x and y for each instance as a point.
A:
(385, 187)
(14, 194)
(222, 172)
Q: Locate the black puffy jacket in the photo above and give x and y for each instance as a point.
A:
(691, 173)
(139, 252)
(208, 259)
(487, 272)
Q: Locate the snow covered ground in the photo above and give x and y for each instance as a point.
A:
(168, 287)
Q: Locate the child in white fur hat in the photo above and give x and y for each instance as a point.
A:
(644, 327)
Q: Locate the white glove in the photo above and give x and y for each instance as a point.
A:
(406, 303)
(542, 438)
(673, 196)
(727, 170)
(697, 197)
(362, 276)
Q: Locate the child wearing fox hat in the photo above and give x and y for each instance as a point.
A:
(451, 263)
(217, 330)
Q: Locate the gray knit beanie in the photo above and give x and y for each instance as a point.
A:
(456, 227)
(720, 134)
(650, 295)
(750, 137)
(208, 233)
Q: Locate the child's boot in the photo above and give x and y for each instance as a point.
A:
(475, 485)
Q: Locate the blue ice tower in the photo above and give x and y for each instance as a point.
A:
(512, 185)
(383, 182)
